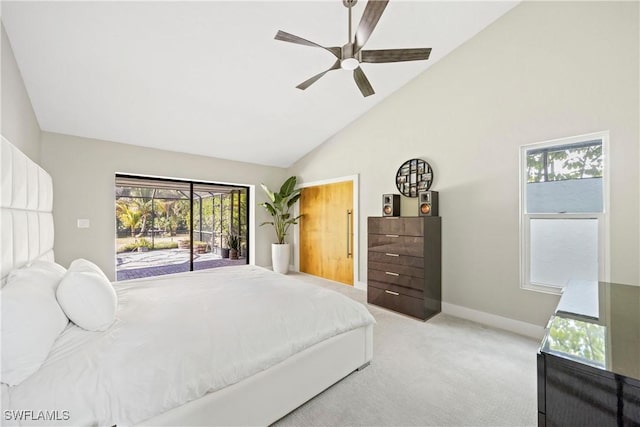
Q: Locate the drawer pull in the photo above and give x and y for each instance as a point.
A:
(392, 254)
(391, 273)
(392, 293)
(392, 235)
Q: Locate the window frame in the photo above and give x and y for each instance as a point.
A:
(601, 217)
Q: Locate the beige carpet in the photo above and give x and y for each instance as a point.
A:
(443, 372)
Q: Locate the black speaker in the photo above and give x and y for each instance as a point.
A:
(428, 203)
(390, 205)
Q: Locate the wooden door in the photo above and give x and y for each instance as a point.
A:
(326, 231)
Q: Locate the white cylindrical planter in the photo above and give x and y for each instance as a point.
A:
(280, 254)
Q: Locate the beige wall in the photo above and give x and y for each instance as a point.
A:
(83, 172)
(545, 70)
(19, 123)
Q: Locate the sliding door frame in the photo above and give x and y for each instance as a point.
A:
(249, 214)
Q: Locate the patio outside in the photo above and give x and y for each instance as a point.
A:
(136, 265)
(160, 222)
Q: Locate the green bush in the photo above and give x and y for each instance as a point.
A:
(129, 247)
(166, 245)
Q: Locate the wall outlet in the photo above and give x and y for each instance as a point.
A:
(83, 223)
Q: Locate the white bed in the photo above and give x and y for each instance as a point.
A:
(213, 347)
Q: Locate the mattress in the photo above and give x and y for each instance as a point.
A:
(177, 338)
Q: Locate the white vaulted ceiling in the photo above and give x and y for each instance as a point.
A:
(208, 78)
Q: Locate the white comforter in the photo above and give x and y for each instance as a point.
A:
(179, 337)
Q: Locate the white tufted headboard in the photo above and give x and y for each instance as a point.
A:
(26, 211)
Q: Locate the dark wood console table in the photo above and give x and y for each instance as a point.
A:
(589, 360)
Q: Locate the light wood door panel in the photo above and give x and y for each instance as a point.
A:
(326, 231)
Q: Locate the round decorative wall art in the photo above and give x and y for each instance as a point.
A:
(413, 177)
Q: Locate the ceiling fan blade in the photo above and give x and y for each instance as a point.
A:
(305, 84)
(395, 55)
(362, 82)
(368, 22)
(286, 37)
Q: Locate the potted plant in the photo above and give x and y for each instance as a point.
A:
(234, 245)
(199, 247)
(278, 207)
(225, 252)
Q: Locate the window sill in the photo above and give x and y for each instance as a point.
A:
(545, 289)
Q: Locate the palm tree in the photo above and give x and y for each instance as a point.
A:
(129, 216)
(143, 201)
(175, 212)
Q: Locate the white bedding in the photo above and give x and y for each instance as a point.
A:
(177, 338)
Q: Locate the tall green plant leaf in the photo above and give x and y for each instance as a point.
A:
(270, 208)
(281, 202)
(270, 194)
(292, 201)
(288, 186)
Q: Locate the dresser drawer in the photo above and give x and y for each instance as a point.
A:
(402, 270)
(396, 279)
(393, 258)
(396, 225)
(396, 244)
(415, 293)
(396, 301)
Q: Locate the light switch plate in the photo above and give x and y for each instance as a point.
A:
(83, 223)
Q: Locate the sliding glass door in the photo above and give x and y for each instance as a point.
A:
(171, 226)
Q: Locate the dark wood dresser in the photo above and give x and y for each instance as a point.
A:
(589, 360)
(404, 264)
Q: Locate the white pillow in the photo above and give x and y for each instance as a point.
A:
(31, 319)
(87, 297)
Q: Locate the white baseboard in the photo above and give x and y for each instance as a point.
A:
(360, 285)
(493, 320)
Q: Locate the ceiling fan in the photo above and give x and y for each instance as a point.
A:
(351, 55)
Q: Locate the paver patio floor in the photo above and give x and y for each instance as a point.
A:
(135, 265)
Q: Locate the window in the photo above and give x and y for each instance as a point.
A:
(169, 226)
(563, 212)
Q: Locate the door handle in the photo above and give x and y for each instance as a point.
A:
(349, 243)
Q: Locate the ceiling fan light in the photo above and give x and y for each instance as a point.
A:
(349, 64)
